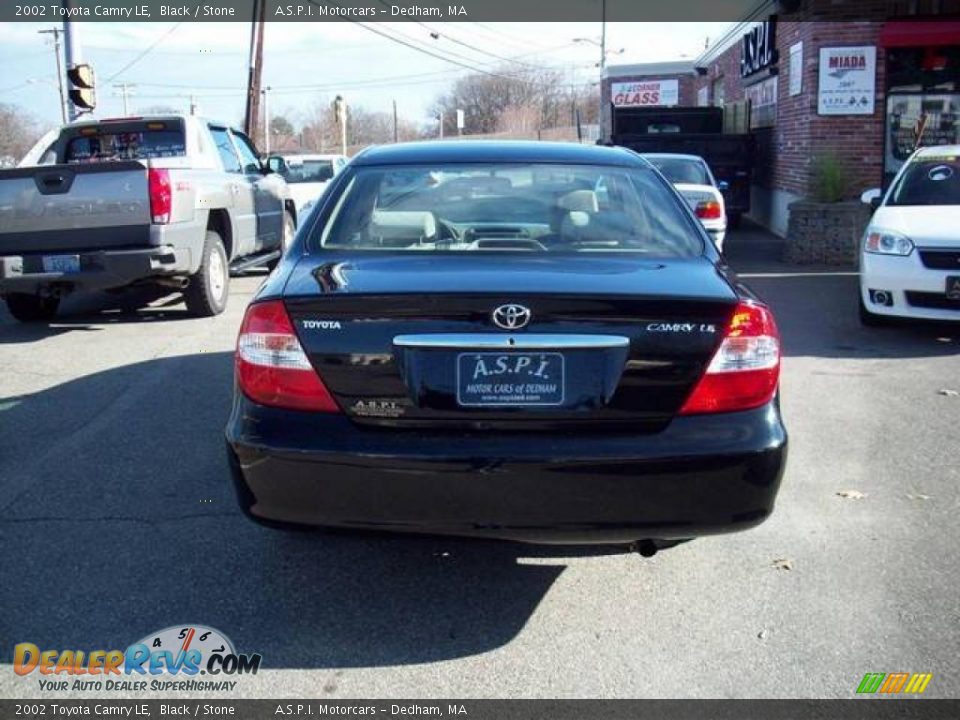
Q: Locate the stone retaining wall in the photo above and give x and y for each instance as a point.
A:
(825, 233)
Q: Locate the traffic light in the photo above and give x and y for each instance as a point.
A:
(82, 93)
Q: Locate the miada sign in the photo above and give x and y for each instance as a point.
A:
(647, 93)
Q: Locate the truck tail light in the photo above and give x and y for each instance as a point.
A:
(161, 195)
(272, 368)
(709, 210)
(745, 369)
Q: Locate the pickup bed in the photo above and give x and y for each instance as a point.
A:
(692, 131)
(170, 200)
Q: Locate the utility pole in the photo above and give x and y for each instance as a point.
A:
(124, 92)
(73, 54)
(340, 112)
(251, 121)
(55, 31)
(266, 119)
(194, 107)
(396, 134)
(603, 63)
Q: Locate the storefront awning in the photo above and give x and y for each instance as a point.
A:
(919, 33)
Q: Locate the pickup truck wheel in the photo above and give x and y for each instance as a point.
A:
(32, 308)
(206, 295)
(289, 230)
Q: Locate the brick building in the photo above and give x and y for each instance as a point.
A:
(861, 91)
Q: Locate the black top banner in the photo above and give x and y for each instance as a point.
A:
(465, 10)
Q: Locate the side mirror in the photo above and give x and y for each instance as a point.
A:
(275, 164)
(723, 185)
(872, 197)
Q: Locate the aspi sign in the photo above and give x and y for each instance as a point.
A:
(759, 48)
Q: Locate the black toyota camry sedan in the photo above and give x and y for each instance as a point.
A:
(529, 341)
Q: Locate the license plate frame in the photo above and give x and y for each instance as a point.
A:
(524, 383)
(66, 264)
(952, 287)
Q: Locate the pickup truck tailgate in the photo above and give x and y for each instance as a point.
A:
(74, 207)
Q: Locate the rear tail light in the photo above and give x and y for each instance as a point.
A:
(161, 196)
(709, 210)
(745, 370)
(272, 368)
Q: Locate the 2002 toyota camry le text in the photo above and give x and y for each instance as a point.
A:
(526, 341)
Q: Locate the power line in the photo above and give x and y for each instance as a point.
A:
(235, 53)
(412, 46)
(446, 54)
(501, 35)
(436, 35)
(142, 55)
(13, 88)
(447, 36)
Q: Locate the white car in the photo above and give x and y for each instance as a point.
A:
(691, 176)
(910, 254)
(307, 176)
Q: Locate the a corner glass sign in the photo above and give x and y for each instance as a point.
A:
(759, 48)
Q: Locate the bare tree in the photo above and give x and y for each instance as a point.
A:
(19, 130)
(318, 127)
(364, 127)
(487, 98)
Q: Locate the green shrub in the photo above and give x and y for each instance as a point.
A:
(829, 180)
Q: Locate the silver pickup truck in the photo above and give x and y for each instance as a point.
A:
(173, 200)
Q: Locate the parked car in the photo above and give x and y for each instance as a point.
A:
(910, 255)
(697, 131)
(307, 175)
(504, 353)
(691, 175)
(168, 199)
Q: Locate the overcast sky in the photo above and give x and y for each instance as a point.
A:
(308, 63)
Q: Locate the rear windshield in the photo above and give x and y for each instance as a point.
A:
(682, 170)
(929, 181)
(307, 171)
(104, 144)
(517, 207)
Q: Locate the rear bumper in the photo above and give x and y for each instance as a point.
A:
(701, 475)
(99, 269)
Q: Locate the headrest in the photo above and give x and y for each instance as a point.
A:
(403, 223)
(580, 201)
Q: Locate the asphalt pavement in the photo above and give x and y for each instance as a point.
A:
(118, 519)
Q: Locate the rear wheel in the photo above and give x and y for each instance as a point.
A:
(32, 308)
(206, 295)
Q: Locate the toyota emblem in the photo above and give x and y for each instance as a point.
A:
(511, 317)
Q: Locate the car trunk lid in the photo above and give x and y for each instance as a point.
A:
(414, 341)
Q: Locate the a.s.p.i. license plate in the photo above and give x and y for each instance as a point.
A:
(516, 379)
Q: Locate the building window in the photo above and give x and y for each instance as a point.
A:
(918, 120)
(717, 94)
(918, 69)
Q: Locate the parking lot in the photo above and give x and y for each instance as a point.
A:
(119, 519)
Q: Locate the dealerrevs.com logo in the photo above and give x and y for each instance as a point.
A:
(168, 660)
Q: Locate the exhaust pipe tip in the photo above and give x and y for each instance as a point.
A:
(179, 283)
(647, 548)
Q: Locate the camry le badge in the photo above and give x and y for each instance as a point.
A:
(511, 316)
